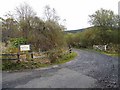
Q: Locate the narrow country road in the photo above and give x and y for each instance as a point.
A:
(88, 70)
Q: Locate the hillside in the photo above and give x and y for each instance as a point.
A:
(78, 30)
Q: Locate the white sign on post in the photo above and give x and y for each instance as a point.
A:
(24, 47)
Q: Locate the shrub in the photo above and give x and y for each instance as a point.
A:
(17, 41)
(12, 50)
(54, 55)
(13, 46)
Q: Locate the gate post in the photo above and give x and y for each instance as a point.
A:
(70, 49)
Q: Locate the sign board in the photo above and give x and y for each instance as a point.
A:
(24, 47)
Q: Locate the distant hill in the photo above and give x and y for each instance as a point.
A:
(76, 31)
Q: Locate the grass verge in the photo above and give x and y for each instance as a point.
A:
(66, 58)
(113, 54)
(109, 53)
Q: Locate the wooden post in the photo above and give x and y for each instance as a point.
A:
(70, 49)
(18, 56)
(32, 55)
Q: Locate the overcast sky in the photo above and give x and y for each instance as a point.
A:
(74, 11)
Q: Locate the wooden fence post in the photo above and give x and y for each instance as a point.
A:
(32, 55)
(18, 56)
(70, 49)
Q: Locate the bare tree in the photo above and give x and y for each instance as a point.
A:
(24, 14)
(24, 11)
(50, 14)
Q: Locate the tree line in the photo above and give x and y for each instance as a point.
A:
(105, 30)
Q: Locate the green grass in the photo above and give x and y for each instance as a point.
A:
(110, 54)
(12, 66)
(66, 58)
